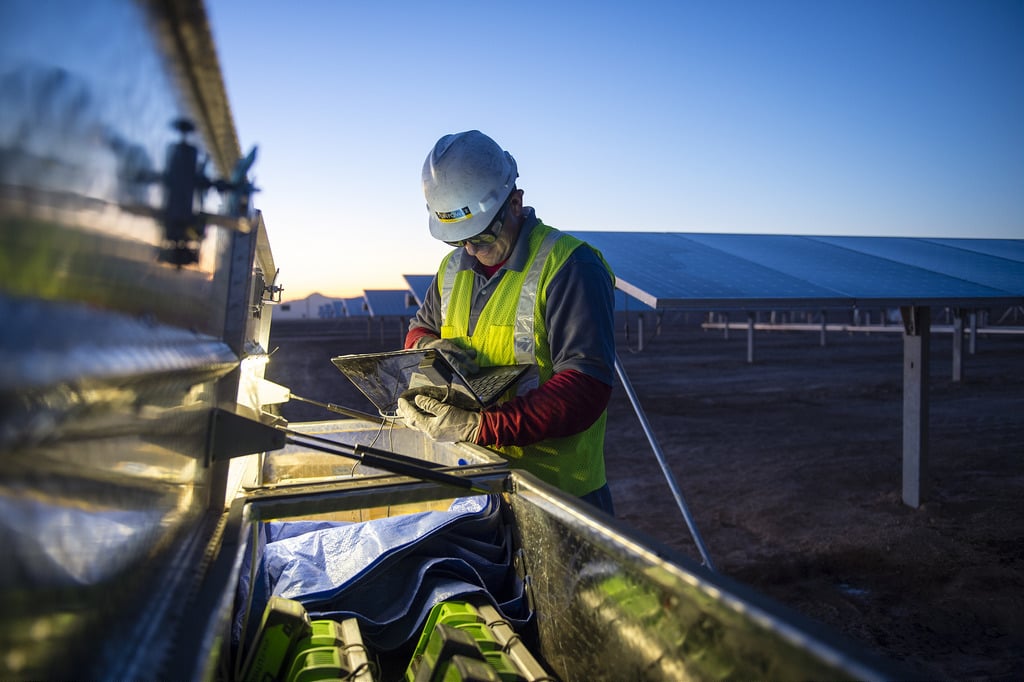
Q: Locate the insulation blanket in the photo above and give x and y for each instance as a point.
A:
(387, 573)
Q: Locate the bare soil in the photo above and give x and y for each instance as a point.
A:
(791, 469)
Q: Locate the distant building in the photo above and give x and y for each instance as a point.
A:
(315, 307)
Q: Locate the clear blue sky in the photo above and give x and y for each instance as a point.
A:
(874, 117)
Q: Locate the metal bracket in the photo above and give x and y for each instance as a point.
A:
(234, 435)
(185, 182)
(263, 293)
(272, 292)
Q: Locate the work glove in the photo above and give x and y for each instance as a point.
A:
(462, 359)
(440, 421)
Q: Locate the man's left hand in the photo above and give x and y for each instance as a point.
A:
(441, 421)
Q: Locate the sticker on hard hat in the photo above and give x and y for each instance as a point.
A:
(454, 216)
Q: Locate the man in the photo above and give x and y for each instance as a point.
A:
(515, 290)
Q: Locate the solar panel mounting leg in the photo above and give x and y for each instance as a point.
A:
(916, 346)
(676, 492)
(958, 345)
(750, 338)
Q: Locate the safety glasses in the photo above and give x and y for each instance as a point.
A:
(490, 233)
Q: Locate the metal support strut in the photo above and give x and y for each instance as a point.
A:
(706, 558)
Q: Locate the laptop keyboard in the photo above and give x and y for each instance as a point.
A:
(486, 386)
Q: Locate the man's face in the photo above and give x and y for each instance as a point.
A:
(500, 249)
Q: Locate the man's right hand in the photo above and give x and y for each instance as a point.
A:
(440, 421)
(462, 359)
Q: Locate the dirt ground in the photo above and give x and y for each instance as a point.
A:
(791, 468)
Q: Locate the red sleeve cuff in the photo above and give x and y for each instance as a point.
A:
(565, 405)
(417, 333)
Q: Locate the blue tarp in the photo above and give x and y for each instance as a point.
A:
(388, 573)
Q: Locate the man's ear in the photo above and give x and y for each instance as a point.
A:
(516, 202)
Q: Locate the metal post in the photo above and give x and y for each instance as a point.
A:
(974, 331)
(958, 345)
(750, 338)
(824, 327)
(676, 493)
(916, 342)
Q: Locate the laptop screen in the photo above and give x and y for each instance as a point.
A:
(384, 377)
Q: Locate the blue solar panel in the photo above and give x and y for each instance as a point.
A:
(850, 273)
(967, 265)
(717, 271)
(355, 307)
(1012, 249)
(661, 266)
(419, 284)
(387, 302)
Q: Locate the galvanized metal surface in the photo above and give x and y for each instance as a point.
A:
(86, 105)
(110, 358)
(612, 606)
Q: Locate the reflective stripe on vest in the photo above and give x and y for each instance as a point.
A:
(524, 335)
(451, 268)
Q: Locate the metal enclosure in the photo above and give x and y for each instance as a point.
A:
(128, 324)
(609, 605)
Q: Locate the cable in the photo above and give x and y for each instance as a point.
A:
(248, 600)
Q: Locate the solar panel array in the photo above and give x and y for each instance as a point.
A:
(705, 271)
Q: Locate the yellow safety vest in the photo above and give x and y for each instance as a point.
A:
(510, 330)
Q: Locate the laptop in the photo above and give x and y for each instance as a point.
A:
(384, 377)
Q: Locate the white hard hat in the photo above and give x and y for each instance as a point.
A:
(466, 179)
